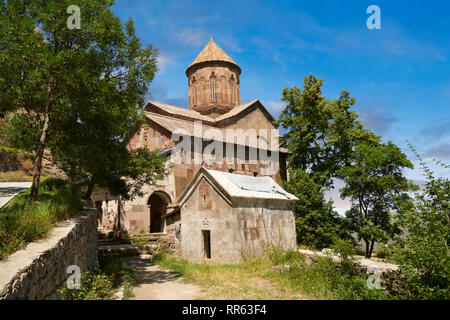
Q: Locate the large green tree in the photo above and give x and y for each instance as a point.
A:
(376, 185)
(76, 92)
(320, 134)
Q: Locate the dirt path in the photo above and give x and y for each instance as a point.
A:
(9, 190)
(154, 283)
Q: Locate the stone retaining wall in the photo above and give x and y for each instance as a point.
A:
(40, 269)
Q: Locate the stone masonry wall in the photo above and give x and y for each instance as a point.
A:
(40, 269)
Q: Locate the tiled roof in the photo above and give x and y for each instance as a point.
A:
(182, 126)
(173, 110)
(173, 118)
(212, 52)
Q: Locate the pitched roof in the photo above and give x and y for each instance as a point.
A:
(177, 111)
(189, 114)
(173, 118)
(212, 52)
(238, 186)
(187, 127)
(241, 108)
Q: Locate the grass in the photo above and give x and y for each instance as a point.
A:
(247, 280)
(111, 274)
(22, 222)
(276, 275)
(15, 176)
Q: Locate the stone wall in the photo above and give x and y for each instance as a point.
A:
(40, 269)
(236, 230)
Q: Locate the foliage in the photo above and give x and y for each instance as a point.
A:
(76, 93)
(375, 183)
(424, 255)
(110, 274)
(323, 279)
(384, 252)
(316, 223)
(278, 256)
(321, 135)
(22, 222)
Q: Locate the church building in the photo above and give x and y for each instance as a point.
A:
(222, 198)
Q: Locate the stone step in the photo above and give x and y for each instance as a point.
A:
(129, 249)
(151, 236)
(106, 242)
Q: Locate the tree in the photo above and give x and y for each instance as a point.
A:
(316, 222)
(424, 254)
(76, 93)
(321, 134)
(377, 187)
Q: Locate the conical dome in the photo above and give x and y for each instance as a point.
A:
(210, 53)
(213, 82)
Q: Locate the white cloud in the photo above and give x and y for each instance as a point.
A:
(275, 107)
(193, 36)
(163, 61)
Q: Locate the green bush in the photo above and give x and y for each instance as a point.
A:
(384, 252)
(110, 274)
(278, 256)
(323, 278)
(22, 222)
(424, 255)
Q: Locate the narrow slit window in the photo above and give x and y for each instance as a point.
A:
(213, 90)
(232, 93)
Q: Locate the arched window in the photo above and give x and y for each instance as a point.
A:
(233, 96)
(213, 90)
(194, 91)
(232, 93)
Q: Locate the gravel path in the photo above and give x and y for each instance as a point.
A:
(9, 190)
(153, 283)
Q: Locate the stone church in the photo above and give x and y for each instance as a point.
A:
(222, 198)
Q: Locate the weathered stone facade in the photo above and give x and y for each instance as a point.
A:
(40, 269)
(215, 121)
(237, 225)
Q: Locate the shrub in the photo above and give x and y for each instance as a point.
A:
(110, 274)
(323, 278)
(347, 264)
(384, 252)
(278, 256)
(424, 255)
(93, 287)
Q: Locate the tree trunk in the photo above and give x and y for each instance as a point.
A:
(367, 247)
(91, 186)
(39, 157)
(371, 248)
(41, 148)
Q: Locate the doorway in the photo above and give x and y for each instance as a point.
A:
(206, 244)
(157, 204)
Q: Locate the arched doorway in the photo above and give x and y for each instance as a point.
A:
(157, 203)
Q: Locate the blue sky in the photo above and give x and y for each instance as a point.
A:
(399, 75)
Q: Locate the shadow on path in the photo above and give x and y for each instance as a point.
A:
(153, 283)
